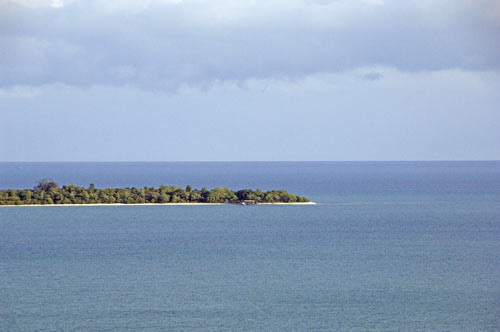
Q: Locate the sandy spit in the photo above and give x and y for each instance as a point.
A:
(151, 204)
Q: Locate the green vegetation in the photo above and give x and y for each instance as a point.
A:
(49, 192)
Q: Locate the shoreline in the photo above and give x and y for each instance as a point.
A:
(158, 204)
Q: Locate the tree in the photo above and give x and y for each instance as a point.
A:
(247, 194)
(46, 185)
(48, 192)
(221, 195)
(195, 196)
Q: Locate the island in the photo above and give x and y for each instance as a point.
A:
(48, 192)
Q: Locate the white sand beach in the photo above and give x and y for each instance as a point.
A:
(155, 204)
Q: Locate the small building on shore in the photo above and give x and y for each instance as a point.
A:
(248, 202)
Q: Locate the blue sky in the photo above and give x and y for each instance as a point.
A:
(166, 80)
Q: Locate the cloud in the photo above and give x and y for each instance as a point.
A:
(168, 44)
(20, 92)
(373, 76)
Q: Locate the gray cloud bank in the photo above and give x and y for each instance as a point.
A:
(163, 45)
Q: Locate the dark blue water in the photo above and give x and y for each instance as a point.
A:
(390, 247)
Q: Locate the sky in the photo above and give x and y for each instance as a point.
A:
(249, 80)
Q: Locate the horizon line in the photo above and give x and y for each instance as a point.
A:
(250, 161)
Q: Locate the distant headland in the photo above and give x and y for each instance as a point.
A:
(48, 192)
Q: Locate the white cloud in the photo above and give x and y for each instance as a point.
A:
(167, 44)
(37, 3)
(20, 92)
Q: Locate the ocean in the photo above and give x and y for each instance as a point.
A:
(390, 246)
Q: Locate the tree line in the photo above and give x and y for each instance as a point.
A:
(49, 192)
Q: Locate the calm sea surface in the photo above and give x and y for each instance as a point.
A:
(390, 247)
